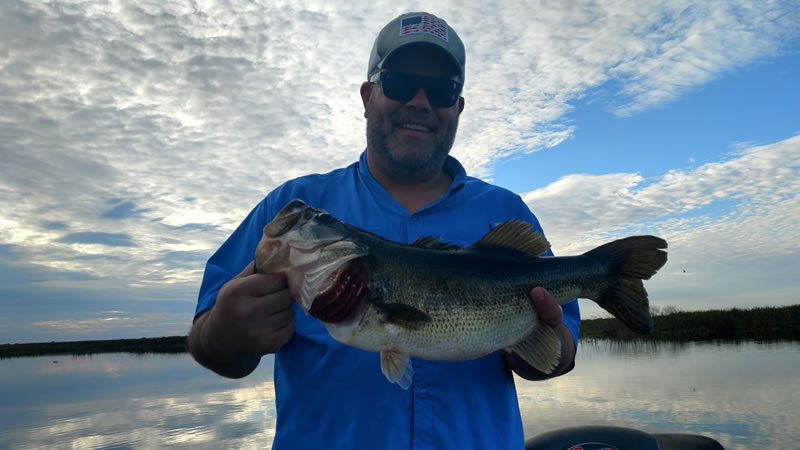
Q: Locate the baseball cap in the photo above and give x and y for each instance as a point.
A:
(416, 28)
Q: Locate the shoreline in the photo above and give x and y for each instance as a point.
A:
(764, 323)
(767, 323)
(166, 344)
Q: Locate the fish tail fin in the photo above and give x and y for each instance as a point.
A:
(631, 260)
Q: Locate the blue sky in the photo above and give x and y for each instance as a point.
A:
(134, 137)
(700, 126)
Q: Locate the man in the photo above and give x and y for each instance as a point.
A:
(404, 186)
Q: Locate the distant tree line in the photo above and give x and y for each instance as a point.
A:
(170, 344)
(670, 323)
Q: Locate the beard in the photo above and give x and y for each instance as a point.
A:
(403, 160)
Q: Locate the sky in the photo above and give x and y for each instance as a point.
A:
(135, 136)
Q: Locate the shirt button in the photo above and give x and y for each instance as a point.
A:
(423, 393)
(414, 217)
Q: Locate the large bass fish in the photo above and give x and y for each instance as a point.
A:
(443, 302)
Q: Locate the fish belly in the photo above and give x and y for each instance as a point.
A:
(452, 334)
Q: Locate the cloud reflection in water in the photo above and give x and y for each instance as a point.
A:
(132, 401)
(746, 395)
(743, 394)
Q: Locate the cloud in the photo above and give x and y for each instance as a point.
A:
(752, 179)
(123, 210)
(108, 239)
(113, 325)
(732, 225)
(134, 136)
(696, 43)
(539, 57)
(54, 225)
(16, 271)
(59, 309)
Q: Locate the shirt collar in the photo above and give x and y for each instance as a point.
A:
(451, 167)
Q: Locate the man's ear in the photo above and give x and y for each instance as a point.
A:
(460, 105)
(366, 91)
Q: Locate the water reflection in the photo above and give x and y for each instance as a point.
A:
(745, 395)
(121, 400)
(643, 348)
(599, 348)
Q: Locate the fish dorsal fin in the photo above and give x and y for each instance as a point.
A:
(434, 243)
(517, 235)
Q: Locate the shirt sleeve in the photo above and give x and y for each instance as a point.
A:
(232, 257)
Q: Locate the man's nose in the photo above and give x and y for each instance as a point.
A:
(420, 100)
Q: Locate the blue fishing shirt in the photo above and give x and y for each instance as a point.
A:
(332, 396)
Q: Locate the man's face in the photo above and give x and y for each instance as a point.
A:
(410, 140)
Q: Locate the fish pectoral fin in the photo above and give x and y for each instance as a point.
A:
(541, 349)
(403, 315)
(397, 368)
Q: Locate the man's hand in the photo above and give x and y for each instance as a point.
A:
(549, 312)
(252, 316)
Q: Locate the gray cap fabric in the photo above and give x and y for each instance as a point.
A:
(416, 28)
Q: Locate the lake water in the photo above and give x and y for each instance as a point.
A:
(745, 395)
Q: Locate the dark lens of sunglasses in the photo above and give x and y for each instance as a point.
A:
(399, 86)
(402, 87)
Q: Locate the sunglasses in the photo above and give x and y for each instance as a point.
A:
(402, 87)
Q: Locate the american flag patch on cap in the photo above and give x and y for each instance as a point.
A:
(424, 24)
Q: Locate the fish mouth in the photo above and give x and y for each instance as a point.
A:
(295, 214)
(312, 248)
(308, 247)
(286, 219)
